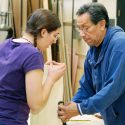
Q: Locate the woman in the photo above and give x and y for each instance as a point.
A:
(21, 69)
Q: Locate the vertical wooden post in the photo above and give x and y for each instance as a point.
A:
(94, 0)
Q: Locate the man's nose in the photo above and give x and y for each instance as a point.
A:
(82, 34)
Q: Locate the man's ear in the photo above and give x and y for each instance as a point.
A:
(43, 32)
(102, 24)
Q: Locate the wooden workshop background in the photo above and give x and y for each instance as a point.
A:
(62, 51)
(69, 48)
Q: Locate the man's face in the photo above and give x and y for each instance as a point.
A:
(92, 34)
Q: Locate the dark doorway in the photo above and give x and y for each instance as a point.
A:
(121, 13)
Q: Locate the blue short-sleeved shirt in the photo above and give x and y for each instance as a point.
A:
(15, 60)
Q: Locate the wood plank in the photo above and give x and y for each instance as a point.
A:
(45, 4)
(64, 57)
(85, 120)
(48, 52)
(78, 76)
(24, 14)
(35, 4)
(17, 16)
(74, 70)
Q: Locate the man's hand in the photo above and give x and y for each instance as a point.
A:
(65, 112)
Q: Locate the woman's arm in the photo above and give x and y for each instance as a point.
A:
(38, 92)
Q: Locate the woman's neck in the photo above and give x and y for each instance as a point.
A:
(28, 37)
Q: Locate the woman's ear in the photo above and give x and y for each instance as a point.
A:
(43, 32)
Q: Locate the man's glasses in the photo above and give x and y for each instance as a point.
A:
(84, 29)
(57, 36)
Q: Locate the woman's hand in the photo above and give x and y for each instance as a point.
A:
(55, 70)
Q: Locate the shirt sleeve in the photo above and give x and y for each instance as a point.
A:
(35, 61)
(86, 87)
(113, 86)
(79, 109)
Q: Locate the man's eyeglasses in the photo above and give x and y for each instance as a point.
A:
(83, 29)
(57, 36)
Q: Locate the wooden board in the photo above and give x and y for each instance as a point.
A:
(79, 73)
(24, 15)
(64, 56)
(17, 16)
(85, 120)
(49, 52)
(48, 115)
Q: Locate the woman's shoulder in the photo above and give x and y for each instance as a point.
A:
(24, 47)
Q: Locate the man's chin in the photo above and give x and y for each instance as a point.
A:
(89, 44)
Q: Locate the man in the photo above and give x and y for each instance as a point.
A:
(102, 87)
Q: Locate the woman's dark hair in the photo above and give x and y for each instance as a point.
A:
(42, 19)
(97, 12)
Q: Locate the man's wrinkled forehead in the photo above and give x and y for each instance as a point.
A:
(83, 19)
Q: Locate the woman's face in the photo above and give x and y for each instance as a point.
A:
(46, 39)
